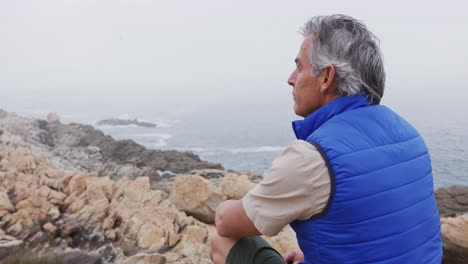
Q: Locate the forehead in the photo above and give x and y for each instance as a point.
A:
(305, 49)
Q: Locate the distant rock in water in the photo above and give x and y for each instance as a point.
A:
(124, 122)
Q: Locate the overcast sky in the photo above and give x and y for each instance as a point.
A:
(201, 52)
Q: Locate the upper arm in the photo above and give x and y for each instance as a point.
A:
(232, 221)
(296, 187)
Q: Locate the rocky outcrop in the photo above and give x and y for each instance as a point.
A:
(83, 148)
(114, 221)
(452, 200)
(455, 237)
(124, 122)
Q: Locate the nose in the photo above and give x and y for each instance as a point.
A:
(292, 78)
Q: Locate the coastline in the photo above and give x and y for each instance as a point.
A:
(71, 188)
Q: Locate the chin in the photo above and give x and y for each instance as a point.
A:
(297, 112)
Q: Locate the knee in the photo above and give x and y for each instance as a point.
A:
(220, 247)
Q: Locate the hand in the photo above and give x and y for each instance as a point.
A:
(293, 256)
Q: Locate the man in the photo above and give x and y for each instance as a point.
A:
(356, 185)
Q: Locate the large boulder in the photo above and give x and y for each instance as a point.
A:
(455, 238)
(199, 197)
(196, 196)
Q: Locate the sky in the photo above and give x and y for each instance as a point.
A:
(185, 55)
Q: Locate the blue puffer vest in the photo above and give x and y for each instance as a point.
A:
(382, 207)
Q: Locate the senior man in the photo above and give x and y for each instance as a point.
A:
(356, 186)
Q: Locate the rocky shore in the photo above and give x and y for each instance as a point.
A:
(71, 192)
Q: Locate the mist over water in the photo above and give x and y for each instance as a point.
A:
(212, 74)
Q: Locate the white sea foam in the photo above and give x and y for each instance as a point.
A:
(166, 173)
(153, 135)
(215, 151)
(256, 149)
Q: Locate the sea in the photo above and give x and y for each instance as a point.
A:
(248, 135)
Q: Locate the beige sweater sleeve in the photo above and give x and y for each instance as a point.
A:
(296, 187)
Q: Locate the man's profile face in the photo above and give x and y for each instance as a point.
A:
(306, 87)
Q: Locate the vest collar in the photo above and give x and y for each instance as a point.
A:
(303, 128)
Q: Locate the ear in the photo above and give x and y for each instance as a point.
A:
(327, 79)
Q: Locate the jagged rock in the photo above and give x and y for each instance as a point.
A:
(196, 196)
(455, 238)
(452, 200)
(53, 118)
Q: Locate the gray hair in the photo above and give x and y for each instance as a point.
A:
(353, 50)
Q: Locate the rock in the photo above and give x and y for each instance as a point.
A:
(285, 241)
(452, 200)
(110, 254)
(124, 122)
(3, 113)
(455, 239)
(235, 186)
(53, 118)
(147, 258)
(49, 228)
(196, 196)
(8, 245)
(54, 211)
(5, 203)
(80, 257)
(83, 148)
